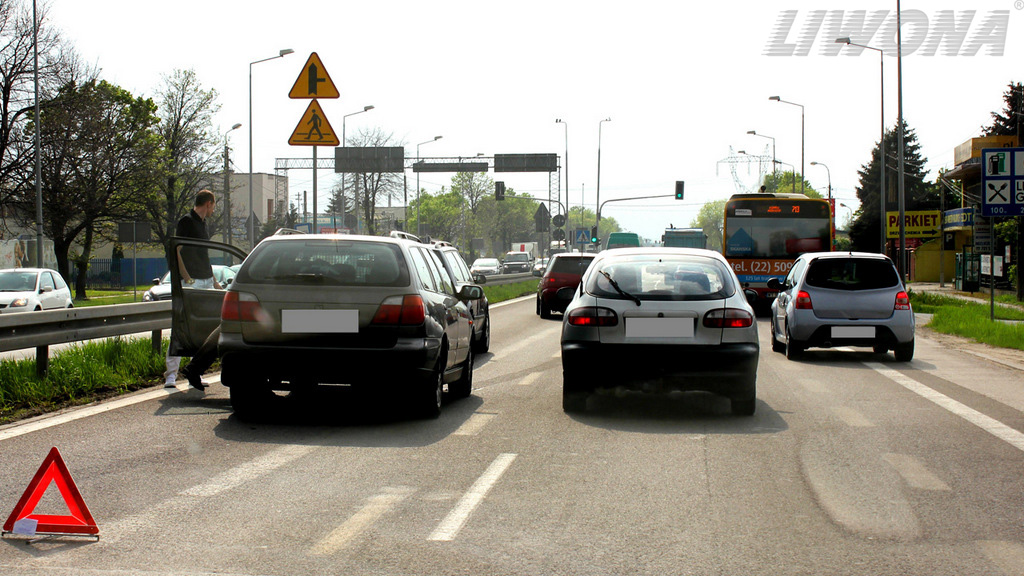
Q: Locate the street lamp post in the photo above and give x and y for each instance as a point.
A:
(252, 211)
(355, 196)
(902, 248)
(597, 204)
(827, 171)
(777, 99)
(419, 227)
(227, 186)
(754, 133)
(881, 140)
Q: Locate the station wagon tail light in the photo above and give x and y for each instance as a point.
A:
(902, 301)
(407, 310)
(803, 301)
(241, 307)
(593, 316)
(728, 318)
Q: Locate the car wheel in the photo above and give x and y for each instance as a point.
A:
(428, 399)
(743, 407)
(905, 352)
(483, 344)
(776, 345)
(793, 348)
(463, 387)
(545, 311)
(573, 399)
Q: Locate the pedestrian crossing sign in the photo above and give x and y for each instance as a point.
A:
(314, 129)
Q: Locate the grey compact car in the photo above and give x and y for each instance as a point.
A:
(834, 299)
(305, 311)
(659, 319)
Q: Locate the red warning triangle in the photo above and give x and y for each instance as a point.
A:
(53, 470)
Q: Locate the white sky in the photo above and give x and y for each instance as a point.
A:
(681, 83)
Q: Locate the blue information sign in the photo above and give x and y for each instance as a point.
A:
(1002, 182)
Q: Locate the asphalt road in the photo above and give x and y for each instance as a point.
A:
(853, 464)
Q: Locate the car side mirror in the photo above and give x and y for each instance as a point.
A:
(479, 278)
(751, 295)
(774, 284)
(471, 292)
(156, 281)
(45, 289)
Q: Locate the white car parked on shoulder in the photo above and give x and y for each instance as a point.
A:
(33, 289)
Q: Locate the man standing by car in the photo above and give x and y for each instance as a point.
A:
(194, 267)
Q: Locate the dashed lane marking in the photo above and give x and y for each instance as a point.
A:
(449, 528)
(357, 524)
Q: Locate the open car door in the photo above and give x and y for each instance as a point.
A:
(195, 312)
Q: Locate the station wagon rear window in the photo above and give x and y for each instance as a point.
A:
(676, 277)
(852, 274)
(327, 262)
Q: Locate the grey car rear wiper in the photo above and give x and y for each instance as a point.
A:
(619, 290)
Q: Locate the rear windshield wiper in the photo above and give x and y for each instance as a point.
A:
(618, 289)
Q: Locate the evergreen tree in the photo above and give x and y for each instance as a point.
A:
(1008, 122)
(918, 195)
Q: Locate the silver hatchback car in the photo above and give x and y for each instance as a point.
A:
(842, 299)
(658, 320)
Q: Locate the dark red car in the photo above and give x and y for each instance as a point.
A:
(563, 270)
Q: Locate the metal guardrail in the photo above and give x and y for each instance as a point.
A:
(40, 330)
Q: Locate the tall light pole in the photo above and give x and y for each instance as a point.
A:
(419, 227)
(754, 133)
(566, 126)
(355, 196)
(36, 143)
(252, 210)
(777, 99)
(881, 141)
(597, 203)
(227, 185)
(901, 266)
(827, 171)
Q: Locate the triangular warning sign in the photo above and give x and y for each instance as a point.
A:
(314, 129)
(79, 521)
(314, 81)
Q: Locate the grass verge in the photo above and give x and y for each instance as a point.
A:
(972, 320)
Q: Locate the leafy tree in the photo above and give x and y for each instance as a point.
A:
(918, 195)
(444, 212)
(191, 149)
(711, 219)
(787, 183)
(472, 187)
(100, 160)
(1010, 121)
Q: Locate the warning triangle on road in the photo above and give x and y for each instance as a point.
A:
(78, 522)
(314, 129)
(314, 81)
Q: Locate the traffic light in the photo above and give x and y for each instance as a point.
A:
(679, 189)
(499, 190)
(593, 235)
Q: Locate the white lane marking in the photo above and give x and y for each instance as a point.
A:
(558, 353)
(450, 526)
(374, 509)
(474, 424)
(529, 379)
(1007, 556)
(85, 412)
(915, 472)
(852, 417)
(986, 423)
(248, 471)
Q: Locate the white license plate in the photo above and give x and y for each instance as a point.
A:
(770, 295)
(319, 321)
(659, 327)
(853, 331)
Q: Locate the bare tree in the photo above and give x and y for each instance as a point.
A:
(373, 187)
(191, 149)
(58, 63)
